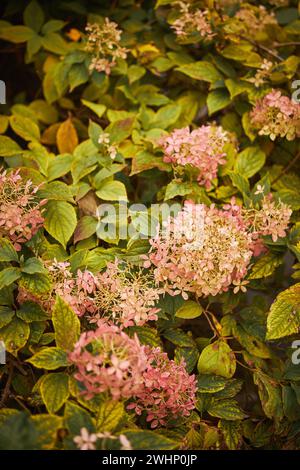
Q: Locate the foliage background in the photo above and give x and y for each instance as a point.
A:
(49, 127)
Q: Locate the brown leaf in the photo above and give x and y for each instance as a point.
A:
(66, 138)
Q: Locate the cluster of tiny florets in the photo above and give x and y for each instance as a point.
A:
(262, 74)
(168, 390)
(201, 148)
(205, 250)
(20, 211)
(253, 20)
(108, 360)
(191, 21)
(89, 441)
(276, 115)
(103, 42)
(109, 149)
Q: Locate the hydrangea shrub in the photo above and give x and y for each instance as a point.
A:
(184, 335)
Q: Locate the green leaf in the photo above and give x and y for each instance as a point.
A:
(166, 116)
(30, 311)
(112, 191)
(33, 266)
(189, 310)
(284, 317)
(8, 147)
(265, 266)
(99, 109)
(49, 358)
(217, 358)
(176, 188)
(6, 315)
(179, 338)
(55, 390)
(250, 161)
(34, 16)
(120, 130)
(231, 433)
(7, 251)
(35, 283)
(8, 276)
(226, 409)
(15, 335)
(211, 383)
(270, 395)
(109, 415)
(77, 418)
(60, 220)
(47, 427)
(201, 71)
(217, 100)
(25, 128)
(66, 325)
(86, 227)
(54, 42)
(16, 34)
(149, 440)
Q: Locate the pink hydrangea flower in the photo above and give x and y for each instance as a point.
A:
(277, 116)
(20, 211)
(202, 148)
(191, 21)
(109, 360)
(168, 390)
(202, 250)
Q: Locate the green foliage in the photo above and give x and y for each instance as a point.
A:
(239, 345)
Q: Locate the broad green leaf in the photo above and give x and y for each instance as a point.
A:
(60, 220)
(34, 16)
(55, 390)
(217, 99)
(120, 130)
(30, 311)
(76, 418)
(249, 161)
(149, 440)
(284, 317)
(112, 191)
(16, 34)
(217, 358)
(8, 276)
(8, 147)
(109, 415)
(49, 358)
(226, 409)
(179, 338)
(265, 266)
(7, 251)
(25, 128)
(66, 325)
(270, 395)
(210, 383)
(47, 427)
(189, 310)
(201, 71)
(6, 315)
(15, 335)
(86, 227)
(98, 109)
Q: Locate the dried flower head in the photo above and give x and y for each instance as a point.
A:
(277, 116)
(202, 148)
(109, 360)
(201, 256)
(20, 211)
(168, 390)
(191, 21)
(103, 42)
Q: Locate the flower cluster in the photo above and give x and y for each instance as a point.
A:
(168, 390)
(202, 148)
(20, 211)
(108, 360)
(191, 21)
(104, 140)
(121, 293)
(88, 441)
(276, 115)
(252, 20)
(262, 74)
(271, 219)
(126, 295)
(204, 250)
(205, 259)
(103, 43)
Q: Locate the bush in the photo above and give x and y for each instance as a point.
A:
(150, 233)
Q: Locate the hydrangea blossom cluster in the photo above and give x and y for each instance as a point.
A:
(20, 211)
(104, 140)
(103, 43)
(202, 148)
(88, 441)
(191, 21)
(253, 20)
(205, 260)
(168, 390)
(108, 360)
(271, 219)
(276, 115)
(204, 250)
(125, 295)
(262, 74)
(128, 296)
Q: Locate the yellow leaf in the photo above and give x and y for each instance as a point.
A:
(66, 138)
